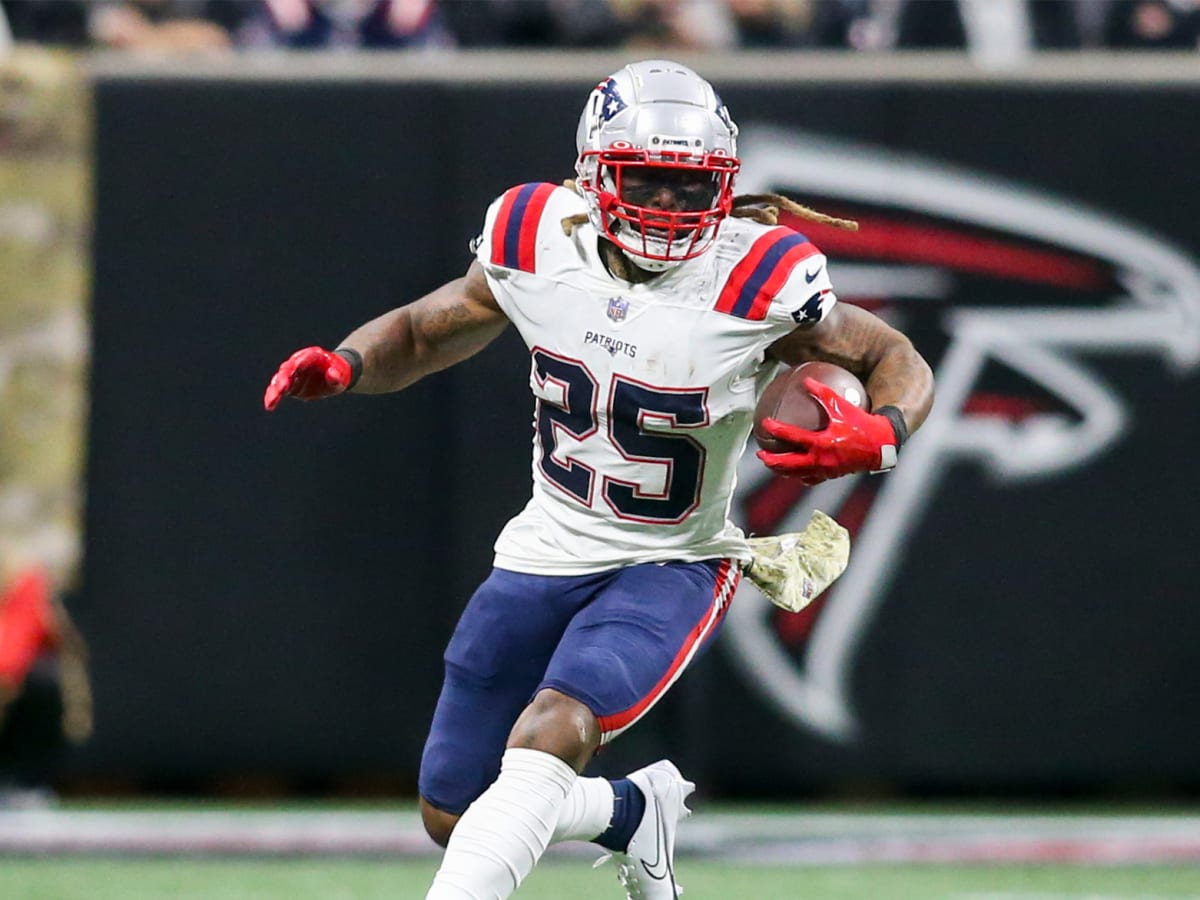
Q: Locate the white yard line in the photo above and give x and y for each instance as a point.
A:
(213, 832)
(774, 839)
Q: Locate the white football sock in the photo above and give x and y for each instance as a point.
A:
(587, 811)
(502, 835)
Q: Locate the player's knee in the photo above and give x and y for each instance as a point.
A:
(557, 724)
(438, 824)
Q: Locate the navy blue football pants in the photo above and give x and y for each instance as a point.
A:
(615, 641)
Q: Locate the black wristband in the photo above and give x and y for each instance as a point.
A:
(352, 356)
(898, 424)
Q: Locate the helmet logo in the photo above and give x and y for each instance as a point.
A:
(613, 102)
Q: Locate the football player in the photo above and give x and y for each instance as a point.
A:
(656, 306)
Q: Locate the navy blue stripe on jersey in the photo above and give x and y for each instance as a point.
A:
(760, 274)
(515, 232)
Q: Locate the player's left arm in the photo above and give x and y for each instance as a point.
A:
(898, 380)
(398, 348)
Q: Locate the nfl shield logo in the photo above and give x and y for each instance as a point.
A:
(617, 307)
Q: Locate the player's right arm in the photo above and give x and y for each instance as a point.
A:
(400, 347)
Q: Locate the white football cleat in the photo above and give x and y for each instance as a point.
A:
(647, 867)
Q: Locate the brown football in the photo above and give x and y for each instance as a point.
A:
(786, 399)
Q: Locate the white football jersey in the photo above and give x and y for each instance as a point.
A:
(644, 393)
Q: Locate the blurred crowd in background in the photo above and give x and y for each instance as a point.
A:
(997, 29)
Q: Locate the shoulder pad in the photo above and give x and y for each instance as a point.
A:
(763, 269)
(519, 211)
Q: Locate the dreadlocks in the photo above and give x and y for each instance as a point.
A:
(569, 223)
(762, 208)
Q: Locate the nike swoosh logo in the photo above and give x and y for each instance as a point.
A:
(810, 277)
(658, 870)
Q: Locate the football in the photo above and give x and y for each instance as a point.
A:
(786, 399)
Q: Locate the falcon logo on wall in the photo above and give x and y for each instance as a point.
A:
(1009, 293)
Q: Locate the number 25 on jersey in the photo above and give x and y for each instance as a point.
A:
(632, 406)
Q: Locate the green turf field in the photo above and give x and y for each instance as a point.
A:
(76, 879)
(122, 851)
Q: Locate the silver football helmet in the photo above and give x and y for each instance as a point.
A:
(657, 159)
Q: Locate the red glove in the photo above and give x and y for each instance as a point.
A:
(310, 374)
(854, 440)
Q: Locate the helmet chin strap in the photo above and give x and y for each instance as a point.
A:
(630, 267)
(654, 266)
(649, 265)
